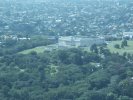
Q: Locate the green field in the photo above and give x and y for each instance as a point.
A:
(128, 49)
(110, 46)
(39, 49)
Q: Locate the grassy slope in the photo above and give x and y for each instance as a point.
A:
(128, 49)
(39, 49)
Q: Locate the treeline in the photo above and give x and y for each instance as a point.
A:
(71, 74)
(11, 46)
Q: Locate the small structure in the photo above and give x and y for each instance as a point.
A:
(127, 35)
(79, 41)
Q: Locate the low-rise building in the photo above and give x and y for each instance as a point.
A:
(128, 35)
(75, 41)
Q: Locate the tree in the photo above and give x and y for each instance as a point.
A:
(99, 79)
(117, 46)
(101, 50)
(41, 73)
(124, 43)
(129, 56)
(62, 56)
(111, 96)
(94, 48)
(96, 96)
(125, 54)
(33, 53)
(106, 52)
(126, 87)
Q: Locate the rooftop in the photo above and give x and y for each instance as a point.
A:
(127, 33)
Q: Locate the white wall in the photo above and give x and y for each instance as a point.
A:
(66, 42)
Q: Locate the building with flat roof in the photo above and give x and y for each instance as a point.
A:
(76, 41)
(128, 35)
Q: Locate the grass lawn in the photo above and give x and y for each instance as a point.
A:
(110, 46)
(128, 49)
(39, 49)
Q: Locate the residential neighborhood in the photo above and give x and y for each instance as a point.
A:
(87, 18)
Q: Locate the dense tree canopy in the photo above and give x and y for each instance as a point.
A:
(70, 74)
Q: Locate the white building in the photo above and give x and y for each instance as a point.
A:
(74, 41)
(128, 35)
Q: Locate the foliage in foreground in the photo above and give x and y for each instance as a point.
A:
(71, 74)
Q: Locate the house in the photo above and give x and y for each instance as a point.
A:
(128, 35)
(78, 41)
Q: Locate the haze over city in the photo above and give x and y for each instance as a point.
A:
(66, 50)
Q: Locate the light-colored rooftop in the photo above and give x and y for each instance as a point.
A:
(127, 33)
